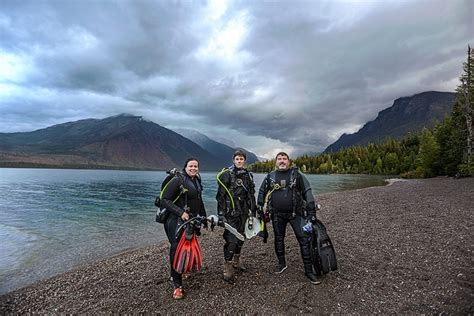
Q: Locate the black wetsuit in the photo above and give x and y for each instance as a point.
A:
(290, 203)
(239, 183)
(194, 201)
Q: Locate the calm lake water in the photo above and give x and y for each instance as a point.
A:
(54, 219)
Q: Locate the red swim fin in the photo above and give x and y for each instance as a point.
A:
(182, 255)
(188, 256)
(196, 253)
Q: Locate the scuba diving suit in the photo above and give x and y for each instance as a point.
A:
(235, 202)
(289, 199)
(181, 194)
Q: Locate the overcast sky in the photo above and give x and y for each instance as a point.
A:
(267, 75)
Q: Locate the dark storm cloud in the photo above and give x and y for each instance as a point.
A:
(273, 74)
(334, 78)
(97, 45)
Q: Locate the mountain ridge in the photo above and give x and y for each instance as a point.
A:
(121, 141)
(407, 114)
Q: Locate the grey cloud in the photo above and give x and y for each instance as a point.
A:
(132, 38)
(348, 64)
(307, 70)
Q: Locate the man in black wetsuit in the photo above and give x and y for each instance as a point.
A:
(287, 195)
(235, 203)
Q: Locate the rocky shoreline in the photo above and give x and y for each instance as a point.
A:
(403, 248)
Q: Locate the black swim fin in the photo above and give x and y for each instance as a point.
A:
(323, 254)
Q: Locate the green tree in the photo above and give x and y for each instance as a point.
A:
(429, 154)
(391, 163)
(466, 90)
(378, 166)
(303, 169)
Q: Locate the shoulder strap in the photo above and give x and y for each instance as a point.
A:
(272, 177)
(252, 183)
(293, 177)
(273, 185)
(182, 188)
(198, 177)
(293, 187)
(233, 179)
(166, 184)
(224, 186)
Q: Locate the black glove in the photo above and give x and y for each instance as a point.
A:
(197, 227)
(267, 217)
(213, 222)
(221, 221)
(264, 216)
(204, 223)
(186, 209)
(260, 213)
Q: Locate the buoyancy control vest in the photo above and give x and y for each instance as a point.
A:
(240, 188)
(162, 213)
(298, 204)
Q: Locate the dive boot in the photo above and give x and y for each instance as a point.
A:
(178, 293)
(314, 278)
(229, 272)
(281, 266)
(237, 263)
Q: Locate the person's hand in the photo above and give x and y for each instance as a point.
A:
(266, 217)
(185, 216)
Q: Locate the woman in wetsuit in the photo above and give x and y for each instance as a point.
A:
(182, 196)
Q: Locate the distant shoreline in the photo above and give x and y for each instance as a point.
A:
(74, 167)
(68, 167)
(403, 248)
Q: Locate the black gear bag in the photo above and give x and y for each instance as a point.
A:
(322, 250)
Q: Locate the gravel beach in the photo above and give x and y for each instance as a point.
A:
(403, 248)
